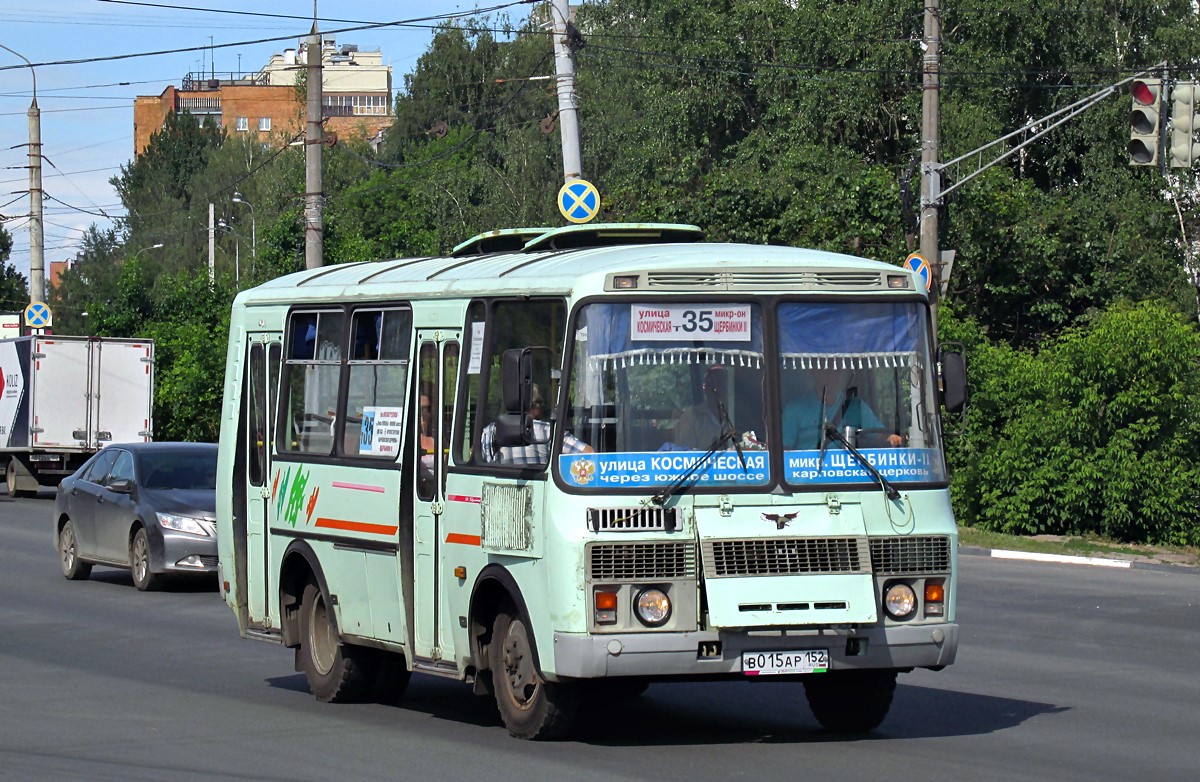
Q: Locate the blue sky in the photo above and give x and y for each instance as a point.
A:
(87, 107)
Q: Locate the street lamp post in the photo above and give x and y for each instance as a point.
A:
(37, 249)
(144, 249)
(237, 199)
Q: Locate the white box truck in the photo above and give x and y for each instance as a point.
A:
(63, 398)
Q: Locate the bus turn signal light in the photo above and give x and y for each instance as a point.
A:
(935, 596)
(606, 607)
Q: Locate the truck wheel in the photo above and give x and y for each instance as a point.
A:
(68, 555)
(531, 707)
(337, 672)
(850, 701)
(139, 563)
(10, 477)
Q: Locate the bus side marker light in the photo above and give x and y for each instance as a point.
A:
(460, 573)
(606, 607)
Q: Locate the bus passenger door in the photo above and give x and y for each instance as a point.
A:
(262, 384)
(437, 364)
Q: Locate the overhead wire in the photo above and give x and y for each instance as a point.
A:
(275, 39)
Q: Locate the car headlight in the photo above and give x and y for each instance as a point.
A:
(182, 524)
(652, 607)
(899, 600)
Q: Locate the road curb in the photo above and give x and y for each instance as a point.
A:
(1064, 559)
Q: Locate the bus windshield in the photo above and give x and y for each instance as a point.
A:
(654, 386)
(862, 370)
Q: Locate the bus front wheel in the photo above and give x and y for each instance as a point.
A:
(337, 672)
(531, 707)
(850, 701)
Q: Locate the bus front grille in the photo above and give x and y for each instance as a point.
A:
(631, 519)
(901, 556)
(785, 557)
(641, 561)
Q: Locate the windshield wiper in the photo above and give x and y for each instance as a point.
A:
(824, 439)
(677, 484)
(730, 432)
(832, 431)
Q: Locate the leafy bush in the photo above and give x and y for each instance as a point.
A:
(1096, 433)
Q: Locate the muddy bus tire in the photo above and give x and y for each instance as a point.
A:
(850, 701)
(337, 672)
(531, 707)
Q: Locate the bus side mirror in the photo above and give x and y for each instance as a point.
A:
(516, 380)
(954, 380)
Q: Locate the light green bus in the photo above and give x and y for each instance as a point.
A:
(563, 464)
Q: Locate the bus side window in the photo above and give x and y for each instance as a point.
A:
(313, 371)
(378, 369)
(510, 324)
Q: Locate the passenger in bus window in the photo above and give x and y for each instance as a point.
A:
(537, 453)
(425, 434)
(698, 426)
(828, 390)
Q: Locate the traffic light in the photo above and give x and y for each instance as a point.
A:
(1184, 150)
(1143, 121)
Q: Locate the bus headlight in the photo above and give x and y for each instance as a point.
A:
(899, 600)
(653, 607)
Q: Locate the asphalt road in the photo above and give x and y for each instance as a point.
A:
(1065, 672)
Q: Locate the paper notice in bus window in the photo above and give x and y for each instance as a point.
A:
(476, 361)
(712, 322)
(381, 432)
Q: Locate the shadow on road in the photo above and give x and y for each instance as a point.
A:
(729, 713)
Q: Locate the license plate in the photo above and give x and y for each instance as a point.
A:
(774, 663)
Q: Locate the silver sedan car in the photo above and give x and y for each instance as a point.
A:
(148, 507)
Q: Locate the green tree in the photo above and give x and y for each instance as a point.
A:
(14, 290)
(88, 290)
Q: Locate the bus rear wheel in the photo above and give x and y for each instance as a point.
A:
(337, 672)
(850, 701)
(531, 707)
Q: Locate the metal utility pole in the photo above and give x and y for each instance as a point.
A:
(37, 246)
(212, 232)
(931, 179)
(568, 116)
(314, 227)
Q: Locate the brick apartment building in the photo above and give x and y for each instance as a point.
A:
(356, 86)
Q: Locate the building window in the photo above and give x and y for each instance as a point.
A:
(264, 123)
(243, 124)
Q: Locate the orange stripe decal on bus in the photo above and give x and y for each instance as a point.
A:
(466, 540)
(356, 526)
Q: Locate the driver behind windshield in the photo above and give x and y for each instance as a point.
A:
(698, 426)
(826, 390)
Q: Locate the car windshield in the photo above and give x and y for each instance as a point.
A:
(195, 469)
(654, 386)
